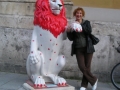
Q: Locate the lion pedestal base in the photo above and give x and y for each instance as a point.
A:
(29, 86)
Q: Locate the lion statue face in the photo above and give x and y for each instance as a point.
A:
(55, 6)
(50, 15)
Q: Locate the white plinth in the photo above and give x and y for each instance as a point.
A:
(28, 86)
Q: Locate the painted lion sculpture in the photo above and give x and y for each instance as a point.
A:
(44, 62)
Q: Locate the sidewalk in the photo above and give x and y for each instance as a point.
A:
(13, 81)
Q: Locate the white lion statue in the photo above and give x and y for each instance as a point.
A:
(44, 61)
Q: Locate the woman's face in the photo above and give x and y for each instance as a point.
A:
(79, 15)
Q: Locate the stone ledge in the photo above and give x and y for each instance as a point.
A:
(17, 0)
(16, 8)
(26, 9)
(16, 21)
(68, 3)
(26, 0)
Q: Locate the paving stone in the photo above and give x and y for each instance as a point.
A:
(13, 81)
(7, 78)
(2, 74)
(16, 83)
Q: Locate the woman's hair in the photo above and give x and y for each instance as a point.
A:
(79, 9)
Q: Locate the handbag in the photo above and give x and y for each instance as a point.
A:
(94, 39)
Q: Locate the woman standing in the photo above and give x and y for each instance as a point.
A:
(82, 47)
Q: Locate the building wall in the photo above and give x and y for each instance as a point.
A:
(101, 14)
(114, 4)
(16, 25)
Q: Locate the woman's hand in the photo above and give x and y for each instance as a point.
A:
(68, 28)
(76, 27)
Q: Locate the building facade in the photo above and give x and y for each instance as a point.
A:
(16, 25)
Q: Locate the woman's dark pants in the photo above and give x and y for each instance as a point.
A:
(84, 62)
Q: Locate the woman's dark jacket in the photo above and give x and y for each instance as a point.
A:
(86, 29)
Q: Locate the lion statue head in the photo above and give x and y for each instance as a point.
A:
(50, 15)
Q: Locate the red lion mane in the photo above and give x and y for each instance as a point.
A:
(44, 17)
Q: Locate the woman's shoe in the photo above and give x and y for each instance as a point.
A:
(82, 88)
(95, 85)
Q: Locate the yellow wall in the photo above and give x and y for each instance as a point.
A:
(115, 4)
